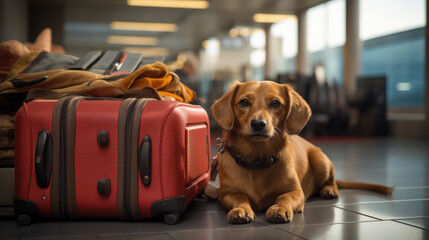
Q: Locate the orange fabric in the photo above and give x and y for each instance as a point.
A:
(154, 75)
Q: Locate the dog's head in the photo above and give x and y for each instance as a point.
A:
(256, 110)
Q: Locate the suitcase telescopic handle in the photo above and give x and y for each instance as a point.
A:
(145, 161)
(43, 158)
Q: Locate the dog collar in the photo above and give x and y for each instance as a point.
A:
(259, 163)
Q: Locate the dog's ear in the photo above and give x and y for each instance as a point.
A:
(299, 112)
(222, 109)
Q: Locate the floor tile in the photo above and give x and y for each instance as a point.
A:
(351, 196)
(63, 237)
(204, 205)
(248, 233)
(7, 213)
(365, 230)
(155, 236)
(400, 163)
(417, 222)
(324, 215)
(392, 210)
(211, 220)
(188, 221)
(69, 229)
(424, 191)
(9, 229)
(316, 215)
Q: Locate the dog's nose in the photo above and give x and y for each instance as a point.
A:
(258, 125)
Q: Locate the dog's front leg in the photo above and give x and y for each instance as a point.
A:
(288, 203)
(239, 208)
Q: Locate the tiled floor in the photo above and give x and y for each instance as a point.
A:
(355, 215)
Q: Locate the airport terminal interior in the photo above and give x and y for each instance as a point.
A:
(359, 64)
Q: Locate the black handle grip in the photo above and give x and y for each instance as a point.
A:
(145, 161)
(43, 158)
(103, 186)
(20, 83)
(103, 138)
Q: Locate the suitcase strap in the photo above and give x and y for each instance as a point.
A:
(128, 158)
(63, 192)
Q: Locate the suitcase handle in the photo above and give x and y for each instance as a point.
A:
(145, 160)
(43, 159)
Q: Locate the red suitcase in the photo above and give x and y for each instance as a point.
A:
(135, 158)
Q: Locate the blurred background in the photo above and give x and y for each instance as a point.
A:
(359, 63)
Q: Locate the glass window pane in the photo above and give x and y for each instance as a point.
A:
(394, 46)
(336, 15)
(284, 45)
(316, 28)
(257, 39)
(326, 36)
(383, 17)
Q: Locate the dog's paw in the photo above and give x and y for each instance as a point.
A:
(329, 192)
(239, 215)
(276, 214)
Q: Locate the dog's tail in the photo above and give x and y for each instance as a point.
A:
(365, 186)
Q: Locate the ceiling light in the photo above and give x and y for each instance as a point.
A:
(404, 86)
(271, 18)
(244, 32)
(143, 26)
(210, 43)
(198, 4)
(233, 32)
(211, 46)
(148, 52)
(131, 40)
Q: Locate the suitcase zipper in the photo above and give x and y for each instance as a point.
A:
(127, 182)
(57, 190)
(123, 179)
(69, 146)
(128, 149)
(63, 146)
(63, 193)
(134, 158)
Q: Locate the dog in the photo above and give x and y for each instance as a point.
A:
(264, 163)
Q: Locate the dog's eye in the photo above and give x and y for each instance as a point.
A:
(275, 104)
(244, 102)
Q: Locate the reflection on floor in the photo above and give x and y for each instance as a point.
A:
(355, 215)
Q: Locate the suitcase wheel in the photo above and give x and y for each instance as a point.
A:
(171, 218)
(23, 219)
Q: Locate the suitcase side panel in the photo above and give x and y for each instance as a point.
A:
(94, 162)
(22, 154)
(189, 126)
(153, 116)
(34, 117)
(175, 178)
(196, 136)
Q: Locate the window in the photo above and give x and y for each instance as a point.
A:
(284, 45)
(257, 43)
(326, 36)
(394, 46)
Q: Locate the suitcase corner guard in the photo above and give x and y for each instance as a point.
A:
(176, 204)
(24, 210)
(25, 206)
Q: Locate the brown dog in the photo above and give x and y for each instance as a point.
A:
(264, 165)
